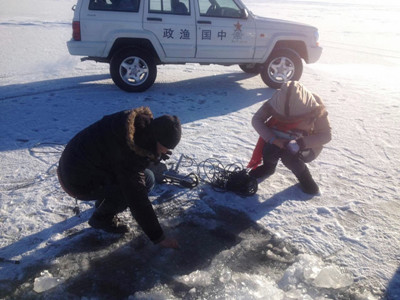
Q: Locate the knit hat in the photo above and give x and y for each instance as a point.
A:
(167, 130)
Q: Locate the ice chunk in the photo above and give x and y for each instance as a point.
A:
(226, 275)
(45, 282)
(332, 278)
(196, 278)
(304, 269)
(160, 292)
(296, 294)
(313, 271)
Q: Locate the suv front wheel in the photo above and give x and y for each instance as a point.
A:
(133, 70)
(281, 66)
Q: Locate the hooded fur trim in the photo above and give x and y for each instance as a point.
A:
(293, 101)
(130, 131)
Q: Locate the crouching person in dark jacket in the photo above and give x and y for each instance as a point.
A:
(107, 162)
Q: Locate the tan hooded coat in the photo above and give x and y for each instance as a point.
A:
(293, 103)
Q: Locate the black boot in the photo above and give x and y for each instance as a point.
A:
(104, 216)
(107, 223)
(307, 183)
(264, 170)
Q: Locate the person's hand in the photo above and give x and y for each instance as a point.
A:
(293, 147)
(169, 243)
(165, 156)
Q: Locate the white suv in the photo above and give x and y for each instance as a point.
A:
(134, 36)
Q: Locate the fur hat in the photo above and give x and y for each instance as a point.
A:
(167, 130)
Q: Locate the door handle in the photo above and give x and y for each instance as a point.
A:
(154, 19)
(203, 22)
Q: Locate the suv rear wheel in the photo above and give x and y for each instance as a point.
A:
(281, 66)
(133, 70)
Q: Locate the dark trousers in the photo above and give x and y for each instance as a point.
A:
(112, 200)
(109, 197)
(295, 163)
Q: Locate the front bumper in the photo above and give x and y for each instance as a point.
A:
(314, 54)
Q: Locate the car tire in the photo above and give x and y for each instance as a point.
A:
(281, 66)
(133, 70)
(251, 68)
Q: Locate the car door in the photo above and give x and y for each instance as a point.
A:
(173, 23)
(100, 18)
(224, 30)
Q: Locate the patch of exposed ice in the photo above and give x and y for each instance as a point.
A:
(45, 282)
(313, 271)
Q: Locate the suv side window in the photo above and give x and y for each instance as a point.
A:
(115, 5)
(219, 8)
(176, 7)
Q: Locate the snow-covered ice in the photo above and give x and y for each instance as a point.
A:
(277, 244)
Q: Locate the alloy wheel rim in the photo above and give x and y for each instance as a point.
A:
(134, 70)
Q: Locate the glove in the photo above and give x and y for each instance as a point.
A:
(293, 147)
(166, 156)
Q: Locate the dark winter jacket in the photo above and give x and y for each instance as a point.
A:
(114, 151)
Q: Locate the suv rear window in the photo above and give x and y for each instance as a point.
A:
(115, 5)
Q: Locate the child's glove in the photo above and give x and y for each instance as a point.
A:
(293, 147)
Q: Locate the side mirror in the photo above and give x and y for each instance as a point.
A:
(244, 13)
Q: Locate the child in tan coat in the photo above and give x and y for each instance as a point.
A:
(293, 126)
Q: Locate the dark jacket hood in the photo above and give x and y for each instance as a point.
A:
(132, 121)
